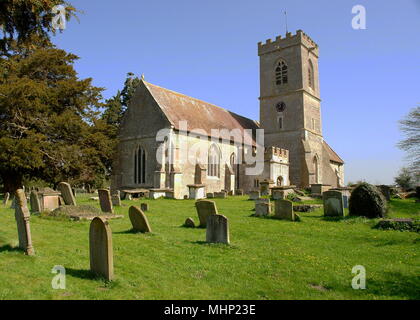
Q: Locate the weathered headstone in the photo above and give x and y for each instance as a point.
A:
(254, 195)
(386, 191)
(116, 199)
(239, 192)
(205, 208)
(217, 230)
(22, 220)
(100, 247)
(105, 201)
(221, 195)
(333, 204)
(67, 194)
(144, 207)
(139, 220)
(6, 199)
(284, 210)
(189, 223)
(35, 204)
(262, 207)
(210, 195)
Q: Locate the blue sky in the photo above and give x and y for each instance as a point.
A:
(208, 49)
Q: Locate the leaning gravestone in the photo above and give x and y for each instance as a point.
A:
(35, 203)
(105, 201)
(22, 220)
(205, 208)
(217, 229)
(100, 247)
(6, 199)
(144, 206)
(116, 199)
(262, 208)
(67, 194)
(284, 210)
(138, 220)
(333, 204)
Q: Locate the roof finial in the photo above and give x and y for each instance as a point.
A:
(142, 76)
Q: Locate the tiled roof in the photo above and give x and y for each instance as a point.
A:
(334, 157)
(198, 114)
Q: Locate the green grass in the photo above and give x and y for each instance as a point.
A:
(267, 258)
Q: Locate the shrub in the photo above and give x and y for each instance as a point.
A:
(367, 201)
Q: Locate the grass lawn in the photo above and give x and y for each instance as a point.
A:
(267, 258)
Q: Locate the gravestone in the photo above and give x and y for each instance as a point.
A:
(22, 220)
(220, 195)
(254, 195)
(284, 210)
(105, 201)
(333, 204)
(217, 230)
(144, 207)
(67, 194)
(100, 248)
(210, 195)
(205, 208)
(116, 199)
(189, 223)
(239, 192)
(6, 199)
(139, 220)
(262, 208)
(386, 191)
(35, 203)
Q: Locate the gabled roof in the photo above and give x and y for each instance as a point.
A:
(198, 114)
(334, 157)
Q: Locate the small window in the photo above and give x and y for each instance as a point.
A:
(256, 183)
(311, 75)
(281, 73)
(280, 121)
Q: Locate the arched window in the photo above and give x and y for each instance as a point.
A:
(213, 169)
(281, 73)
(139, 166)
(311, 75)
(280, 181)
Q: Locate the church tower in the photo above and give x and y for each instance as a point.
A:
(290, 104)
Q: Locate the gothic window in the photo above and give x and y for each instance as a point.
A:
(311, 75)
(139, 166)
(281, 73)
(316, 169)
(280, 181)
(213, 169)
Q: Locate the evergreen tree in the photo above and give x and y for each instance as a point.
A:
(47, 119)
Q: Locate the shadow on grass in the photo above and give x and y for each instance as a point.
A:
(393, 285)
(131, 231)
(9, 248)
(82, 274)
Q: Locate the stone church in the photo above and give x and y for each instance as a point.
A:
(161, 129)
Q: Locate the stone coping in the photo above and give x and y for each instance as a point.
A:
(195, 185)
(160, 190)
(134, 190)
(283, 187)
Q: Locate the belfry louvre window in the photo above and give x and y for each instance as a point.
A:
(311, 75)
(281, 73)
(139, 166)
(213, 169)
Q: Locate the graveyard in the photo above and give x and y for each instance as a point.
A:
(266, 258)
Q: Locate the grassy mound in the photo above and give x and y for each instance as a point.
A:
(71, 212)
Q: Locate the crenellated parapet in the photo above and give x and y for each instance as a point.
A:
(300, 38)
(276, 154)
